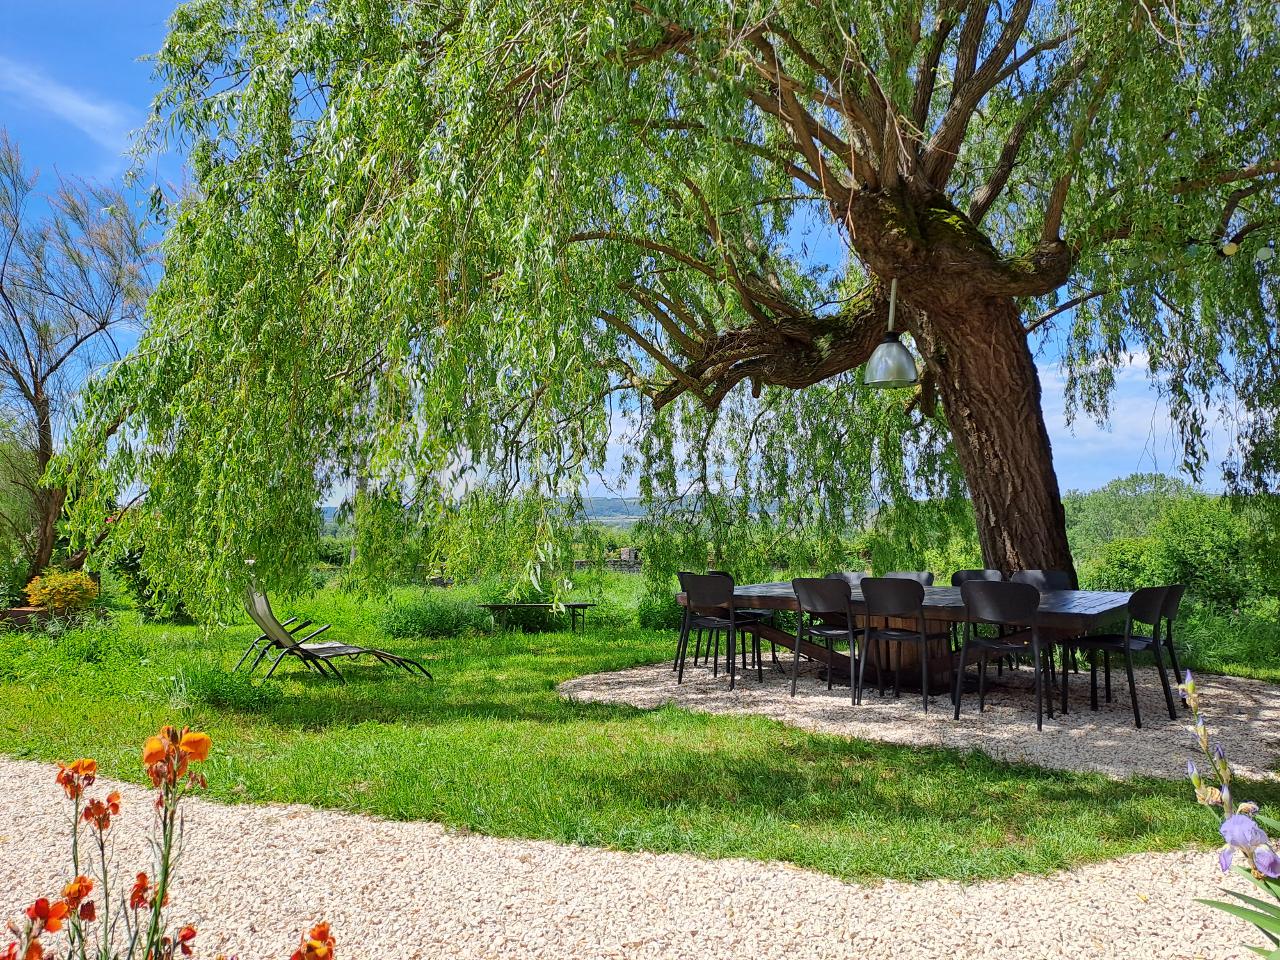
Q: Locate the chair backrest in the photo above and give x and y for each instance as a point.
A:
(1043, 580)
(719, 573)
(852, 579)
(960, 576)
(825, 595)
(922, 577)
(1147, 605)
(890, 596)
(709, 593)
(995, 601)
(260, 612)
(1173, 600)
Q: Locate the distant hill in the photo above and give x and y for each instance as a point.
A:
(615, 511)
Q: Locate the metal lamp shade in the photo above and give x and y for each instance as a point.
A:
(891, 365)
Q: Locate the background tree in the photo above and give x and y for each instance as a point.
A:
(496, 229)
(73, 277)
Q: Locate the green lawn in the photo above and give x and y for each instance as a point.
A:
(489, 746)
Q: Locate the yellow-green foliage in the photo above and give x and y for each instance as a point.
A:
(62, 590)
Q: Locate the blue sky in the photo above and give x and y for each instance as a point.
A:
(72, 88)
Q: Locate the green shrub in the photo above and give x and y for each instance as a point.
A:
(128, 568)
(1125, 564)
(658, 611)
(62, 590)
(433, 613)
(335, 551)
(1205, 544)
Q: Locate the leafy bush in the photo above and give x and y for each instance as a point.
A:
(1205, 544)
(658, 611)
(1198, 540)
(335, 551)
(433, 613)
(1125, 564)
(128, 568)
(62, 590)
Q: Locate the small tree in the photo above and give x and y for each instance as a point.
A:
(74, 274)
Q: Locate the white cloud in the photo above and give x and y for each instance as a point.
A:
(1139, 435)
(104, 122)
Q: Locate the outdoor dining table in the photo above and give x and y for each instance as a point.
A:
(1065, 613)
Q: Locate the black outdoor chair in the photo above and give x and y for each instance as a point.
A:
(901, 597)
(1014, 605)
(315, 656)
(961, 576)
(708, 652)
(709, 606)
(1172, 601)
(1047, 581)
(828, 601)
(922, 577)
(1146, 606)
(1044, 580)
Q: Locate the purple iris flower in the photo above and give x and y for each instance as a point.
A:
(1224, 858)
(1266, 862)
(1240, 831)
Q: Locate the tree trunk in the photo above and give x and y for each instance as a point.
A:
(990, 392)
(49, 500)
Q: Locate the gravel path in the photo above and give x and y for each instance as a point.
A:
(1242, 715)
(253, 877)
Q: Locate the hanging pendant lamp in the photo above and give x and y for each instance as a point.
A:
(891, 364)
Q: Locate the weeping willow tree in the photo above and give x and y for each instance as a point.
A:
(451, 240)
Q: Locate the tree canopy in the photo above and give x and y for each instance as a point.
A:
(449, 243)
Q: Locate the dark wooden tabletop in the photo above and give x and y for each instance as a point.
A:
(1076, 609)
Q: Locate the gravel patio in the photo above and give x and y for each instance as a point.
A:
(253, 877)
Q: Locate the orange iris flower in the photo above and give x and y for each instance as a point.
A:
(74, 778)
(185, 936)
(100, 812)
(34, 951)
(153, 751)
(47, 916)
(77, 890)
(316, 945)
(138, 895)
(195, 745)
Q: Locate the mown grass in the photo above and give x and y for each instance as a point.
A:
(490, 747)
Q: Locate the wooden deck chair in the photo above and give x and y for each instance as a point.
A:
(316, 656)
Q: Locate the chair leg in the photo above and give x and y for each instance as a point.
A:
(924, 672)
(1173, 650)
(283, 654)
(731, 659)
(1047, 650)
(684, 627)
(1037, 655)
(1164, 679)
(982, 683)
(1133, 687)
(1067, 654)
(959, 681)
(755, 642)
(682, 650)
(715, 660)
(862, 667)
(795, 663)
(831, 656)
(697, 646)
(1106, 672)
(245, 656)
(1093, 680)
(882, 657)
(266, 648)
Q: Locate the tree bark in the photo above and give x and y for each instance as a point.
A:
(49, 500)
(990, 392)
